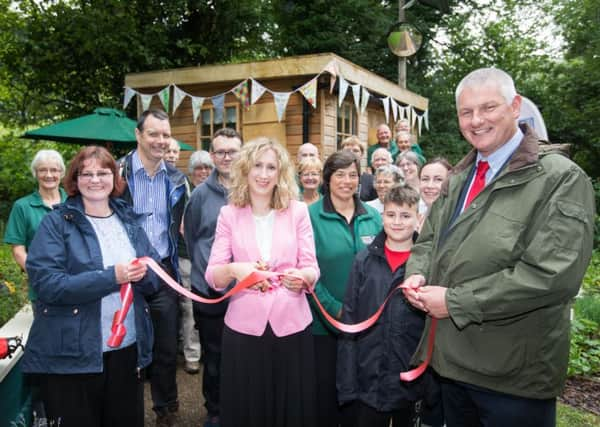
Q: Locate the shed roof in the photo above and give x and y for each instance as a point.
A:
(293, 66)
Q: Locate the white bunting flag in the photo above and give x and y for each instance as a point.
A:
(197, 102)
(129, 93)
(364, 100)
(146, 100)
(356, 96)
(281, 100)
(419, 123)
(342, 91)
(394, 109)
(412, 116)
(257, 91)
(386, 108)
(178, 97)
(331, 68)
(426, 115)
(309, 91)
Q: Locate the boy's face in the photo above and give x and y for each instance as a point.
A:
(399, 221)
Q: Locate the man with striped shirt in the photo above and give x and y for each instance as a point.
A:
(157, 189)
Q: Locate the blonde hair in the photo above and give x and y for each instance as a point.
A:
(354, 140)
(310, 163)
(286, 188)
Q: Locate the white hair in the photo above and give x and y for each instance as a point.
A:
(47, 156)
(488, 76)
(382, 150)
(200, 158)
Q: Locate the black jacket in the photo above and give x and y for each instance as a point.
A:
(370, 362)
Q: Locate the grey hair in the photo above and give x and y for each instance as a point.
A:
(51, 156)
(411, 156)
(200, 158)
(488, 76)
(379, 150)
(391, 170)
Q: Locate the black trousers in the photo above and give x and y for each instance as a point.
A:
(210, 329)
(467, 405)
(113, 398)
(164, 309)
(359, 414)
(328, 411)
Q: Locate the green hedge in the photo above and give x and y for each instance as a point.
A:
(13, 285)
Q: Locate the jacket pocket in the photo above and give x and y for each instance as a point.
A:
(60, 327)
(568, 227)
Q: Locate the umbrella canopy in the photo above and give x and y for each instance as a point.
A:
(185, 147)
(102, 126)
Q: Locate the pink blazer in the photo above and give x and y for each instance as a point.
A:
(293, 246)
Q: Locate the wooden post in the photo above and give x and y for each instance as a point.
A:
(401, 60)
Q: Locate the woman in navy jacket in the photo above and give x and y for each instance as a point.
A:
(78, 259)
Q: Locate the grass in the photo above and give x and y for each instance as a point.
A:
(567, 416)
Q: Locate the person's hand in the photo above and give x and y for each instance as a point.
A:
(411, 290)
(292, 283)
(433, 299)
(240, 270)
(133, 271)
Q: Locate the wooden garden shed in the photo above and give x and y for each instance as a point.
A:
(293, 99)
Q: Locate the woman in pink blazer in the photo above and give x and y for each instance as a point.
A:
(267, 367)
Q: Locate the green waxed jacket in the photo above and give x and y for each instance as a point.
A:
(335, 248)
(512, 262)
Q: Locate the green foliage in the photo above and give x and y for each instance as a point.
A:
(584, 354)
(591, 280)
(13, 285)
(588, 307)
(567, 416)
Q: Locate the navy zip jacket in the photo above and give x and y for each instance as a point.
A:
(65, 267)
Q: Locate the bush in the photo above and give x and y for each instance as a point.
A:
(591, 280)
(13, 285)
(584, 353)
(588, 307)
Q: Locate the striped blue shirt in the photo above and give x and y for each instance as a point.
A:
(150, 197)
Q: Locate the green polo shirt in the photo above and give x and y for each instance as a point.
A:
(24, 220)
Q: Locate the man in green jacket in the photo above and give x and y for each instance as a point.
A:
(498, 261)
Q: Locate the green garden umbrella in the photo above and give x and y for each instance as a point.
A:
(104, 125)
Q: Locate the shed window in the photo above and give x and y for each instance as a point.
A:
(207, 125)
(346, 122)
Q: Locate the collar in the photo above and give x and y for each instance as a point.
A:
(328, 207)
(136, 164)
(499, 157)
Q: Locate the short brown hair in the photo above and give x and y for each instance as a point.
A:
(104, 158)
(354, 140)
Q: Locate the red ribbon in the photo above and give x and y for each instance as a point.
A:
(118, 330)
(259, 276)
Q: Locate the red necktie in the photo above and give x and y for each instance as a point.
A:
(478, 182)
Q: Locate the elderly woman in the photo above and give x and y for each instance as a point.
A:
(410, 164)
(267, 350)
(200, 166)
(48, 168)
(82, 253)
(309, 174)
(342, 225)
(385, 178)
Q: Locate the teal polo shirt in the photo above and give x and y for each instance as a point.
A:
(24, 220)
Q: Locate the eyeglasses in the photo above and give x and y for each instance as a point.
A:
(342, 175)
(51, 171)
(220, 154)
(88, 176)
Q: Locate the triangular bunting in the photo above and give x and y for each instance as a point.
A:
(129, 93)
(356, 96)
(163, 95)
(364, 100)
(331, 68)
(257, 91)
(241, 93)
(412, 116)
(419, 123)
(386, 108)
(426, 115)
(402, 112)
(309, 90)
(197, 102)
(219, 105)
(178, 97)
(281, 100)
(394, 109)
(342, 91)
(146, 100)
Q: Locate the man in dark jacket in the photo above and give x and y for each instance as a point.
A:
(157, 189)
(200, 222)
(502, 253)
